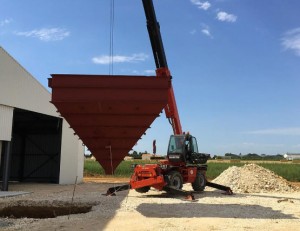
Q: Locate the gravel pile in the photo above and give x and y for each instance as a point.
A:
(252, 178)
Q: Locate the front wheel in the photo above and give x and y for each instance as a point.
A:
(200, 182)
(175, 180)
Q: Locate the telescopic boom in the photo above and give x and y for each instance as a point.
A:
(162, 69)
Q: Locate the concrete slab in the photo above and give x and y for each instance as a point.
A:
(12, 193)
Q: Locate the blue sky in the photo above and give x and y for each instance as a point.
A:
(235, 64)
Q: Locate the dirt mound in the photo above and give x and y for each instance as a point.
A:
(252, 178)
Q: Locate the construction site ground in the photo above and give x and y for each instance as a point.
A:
(154, 210)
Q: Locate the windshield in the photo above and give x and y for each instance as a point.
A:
(176, 144)
(195, 146)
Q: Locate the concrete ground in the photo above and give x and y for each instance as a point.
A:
(154, 210)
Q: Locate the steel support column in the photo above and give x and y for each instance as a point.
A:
(6, 164)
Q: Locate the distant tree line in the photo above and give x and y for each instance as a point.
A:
(137, 155)
(250, 156)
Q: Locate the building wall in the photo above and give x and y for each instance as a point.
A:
(6, 119)
(71, 165)
(292, 156)
(19, 89)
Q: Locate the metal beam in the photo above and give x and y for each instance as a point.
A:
(6, 164)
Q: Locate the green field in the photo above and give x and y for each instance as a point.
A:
(289, 171)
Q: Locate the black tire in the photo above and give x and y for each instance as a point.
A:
(175, 180)
(143, 189)
(200, 182)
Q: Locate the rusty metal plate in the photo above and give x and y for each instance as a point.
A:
(109, 113)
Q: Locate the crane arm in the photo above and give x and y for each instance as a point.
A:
(162, 70)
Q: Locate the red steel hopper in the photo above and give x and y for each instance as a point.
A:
(109, 113)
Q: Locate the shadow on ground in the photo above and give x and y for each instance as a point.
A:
(190, 210)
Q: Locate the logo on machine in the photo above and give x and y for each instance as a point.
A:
(174, 156)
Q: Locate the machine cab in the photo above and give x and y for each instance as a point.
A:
(181, 148)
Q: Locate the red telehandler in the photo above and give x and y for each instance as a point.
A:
(184, 164)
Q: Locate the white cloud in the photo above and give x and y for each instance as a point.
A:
(144, 72)
(225, 17)
(192, 32)
(206, 32)
(201, 5)
(5, 22)
(277, 131)
(46, 34)
(106, 59)
(291, 40)
(149, 72)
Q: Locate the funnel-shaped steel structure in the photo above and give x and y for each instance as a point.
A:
(109, 113)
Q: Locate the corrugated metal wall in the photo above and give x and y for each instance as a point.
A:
(36, 147)
(6, 118)
(36, 158)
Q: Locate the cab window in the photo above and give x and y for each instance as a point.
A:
(176, 144)
(195, 146)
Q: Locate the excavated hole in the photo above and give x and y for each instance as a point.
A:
(43, 210)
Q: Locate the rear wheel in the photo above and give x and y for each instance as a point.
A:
(200, 182)
(175, 180)
(143, 189)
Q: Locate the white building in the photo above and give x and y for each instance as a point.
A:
(292, 156)
(36, 144)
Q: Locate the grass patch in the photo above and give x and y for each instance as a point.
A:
(216, 168)
(93, 168)
(288, 171)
